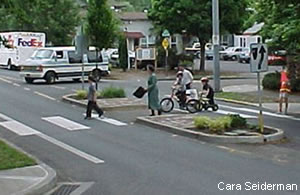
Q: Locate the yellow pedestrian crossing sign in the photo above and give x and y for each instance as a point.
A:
(165, 43)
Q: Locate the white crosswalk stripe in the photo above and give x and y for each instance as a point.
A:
(109, 120)
(65, 123)
(229, 112)
(24, 130)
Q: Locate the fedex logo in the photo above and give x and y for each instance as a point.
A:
(31, 43)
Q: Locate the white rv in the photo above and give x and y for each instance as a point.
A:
(19, 47)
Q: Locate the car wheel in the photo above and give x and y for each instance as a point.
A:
(29, 80)
(50, 77)
(233, 58)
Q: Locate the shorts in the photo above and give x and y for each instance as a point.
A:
(283, 95)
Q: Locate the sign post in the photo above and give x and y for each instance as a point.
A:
(165, 44)
(258, 64)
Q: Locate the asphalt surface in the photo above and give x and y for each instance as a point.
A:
(140, 159)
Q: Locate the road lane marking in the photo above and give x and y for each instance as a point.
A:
(19, 128)
(229, 112)
(12, 78)
(58, 87)
(6, 81)
(27, 89)
(72, 149)
(44, 95)
(65, 123)
(264, 112)
(17, 85)
(24, 130)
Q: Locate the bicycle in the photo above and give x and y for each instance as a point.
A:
(167, 103)
(197, 105)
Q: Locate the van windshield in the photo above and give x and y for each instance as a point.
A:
(43, 54)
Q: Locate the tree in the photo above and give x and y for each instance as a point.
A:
(123, 53)
(282, 22)
(101, 26)
(195, 18)
(57, 18)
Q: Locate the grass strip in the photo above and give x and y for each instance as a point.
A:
(246, 97)
(11, 158)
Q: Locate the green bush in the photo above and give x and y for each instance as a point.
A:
(112, 92)
(271, 81)
(237, 121)
(220, 124)
(81, 94)
(202, 122)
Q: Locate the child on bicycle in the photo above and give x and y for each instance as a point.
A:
(208, 91)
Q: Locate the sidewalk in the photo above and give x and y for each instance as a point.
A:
(34, 180)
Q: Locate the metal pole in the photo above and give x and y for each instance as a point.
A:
(260, 116)
(166, 62)
(216, 44)
(97, 57)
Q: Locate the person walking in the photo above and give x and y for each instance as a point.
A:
(284, 91)
(152, 89)
(92, 100)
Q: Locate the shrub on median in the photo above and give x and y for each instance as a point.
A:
(221, 124)
(112, 92)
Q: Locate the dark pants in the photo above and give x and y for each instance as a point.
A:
(93, 105)
(182, 97)
(188, 86)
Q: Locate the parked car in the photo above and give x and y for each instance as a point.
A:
(244, 56)
(231, 53)
(209, 53)
(114, 57)
(277, 58)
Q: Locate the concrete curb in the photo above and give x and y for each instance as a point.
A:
(46, 185)
(67, 99)
(215, 138)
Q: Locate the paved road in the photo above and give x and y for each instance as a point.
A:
(129, 158)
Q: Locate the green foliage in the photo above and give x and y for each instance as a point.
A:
(195, 17)
(81, 94)
(282, 22)
(236, 121)
(220, 124)
(101, 26)
(271, 81)
(123, 53)
(202, 122)
(112, 92)
(11, 158)
(57, 18)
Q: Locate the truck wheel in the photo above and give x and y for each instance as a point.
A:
(50, 77)
(9, 66)
(96, 74)
(29, 80)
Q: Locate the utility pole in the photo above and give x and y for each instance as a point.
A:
(216, 44)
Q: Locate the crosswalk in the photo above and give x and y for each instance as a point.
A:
(65, 123)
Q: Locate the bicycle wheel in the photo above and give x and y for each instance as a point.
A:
(215, 107)
(193, 106)
(166, 104)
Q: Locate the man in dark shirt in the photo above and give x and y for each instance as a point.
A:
(92, 100)
(208, 90)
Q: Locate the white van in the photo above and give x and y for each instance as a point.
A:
(52, 63)
(19, 47)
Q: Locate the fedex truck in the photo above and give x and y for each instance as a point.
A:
(17, 47)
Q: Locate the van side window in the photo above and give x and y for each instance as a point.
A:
(74, 58)
(93, 56)
(59, 54)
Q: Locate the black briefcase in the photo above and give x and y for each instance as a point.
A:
(139, 92)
